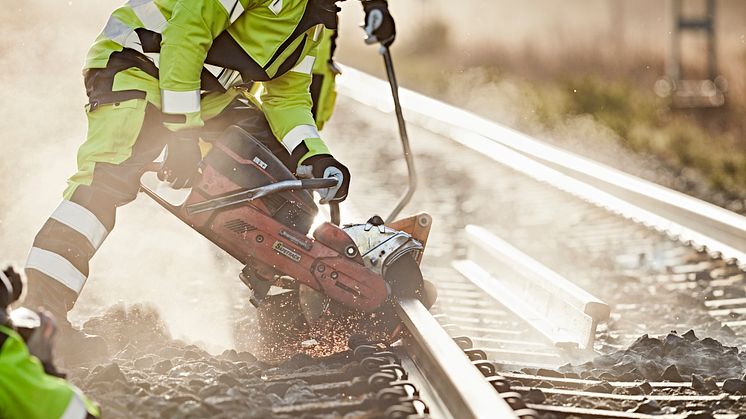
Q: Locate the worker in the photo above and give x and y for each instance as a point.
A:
(29, 388)
(160, 72)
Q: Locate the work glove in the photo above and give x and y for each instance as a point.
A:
(180, 167)
(379, 25)
(326, 166)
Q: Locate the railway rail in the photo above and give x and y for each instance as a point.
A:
(509, 319)
(661, 238)
(677, 238)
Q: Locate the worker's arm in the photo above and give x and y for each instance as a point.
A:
(191, 29)
(286, 102)
(27, 392)
(187, 38)
(323, 85)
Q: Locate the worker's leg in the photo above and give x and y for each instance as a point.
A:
(122, 138)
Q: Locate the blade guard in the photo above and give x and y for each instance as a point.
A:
(380, 246)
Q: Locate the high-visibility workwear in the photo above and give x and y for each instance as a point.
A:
(323, 86)
(27, 392)
(161, 68)
(205, 44)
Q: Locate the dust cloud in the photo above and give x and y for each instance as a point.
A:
(150, 256)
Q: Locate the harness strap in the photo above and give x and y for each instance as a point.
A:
(3, 336)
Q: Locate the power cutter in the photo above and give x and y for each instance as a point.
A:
(251, 206)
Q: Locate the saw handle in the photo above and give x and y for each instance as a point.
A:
(334, 213)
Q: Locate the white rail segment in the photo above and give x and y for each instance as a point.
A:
(563, 312)
(448, 369)
(689, 219)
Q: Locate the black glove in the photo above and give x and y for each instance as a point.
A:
(379, 25)
(324, 166)
(11, 287)
(182, 161)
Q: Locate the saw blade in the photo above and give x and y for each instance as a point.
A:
(313, 304)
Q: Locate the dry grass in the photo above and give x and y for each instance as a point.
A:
(537, 65)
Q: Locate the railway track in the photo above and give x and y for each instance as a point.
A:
(536, 312)
(636, 237)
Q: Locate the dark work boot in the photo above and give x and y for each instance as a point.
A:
(72, 345)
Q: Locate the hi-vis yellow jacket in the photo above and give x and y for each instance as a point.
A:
(27, 392)
(203, 46)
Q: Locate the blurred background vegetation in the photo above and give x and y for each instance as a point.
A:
(578, 72)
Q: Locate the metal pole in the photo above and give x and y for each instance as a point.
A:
(711, 42)
(674, 57)
(404, 200)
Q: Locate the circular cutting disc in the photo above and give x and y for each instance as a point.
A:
(313, 304)
(405, 280)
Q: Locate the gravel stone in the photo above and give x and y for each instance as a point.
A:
(279, 388)
(672, 374)
(647, 407)
(163, 366)
(734, 386)
(107, 374)
(535, 396)
(603, 387)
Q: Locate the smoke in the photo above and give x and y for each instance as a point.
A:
(150, 256)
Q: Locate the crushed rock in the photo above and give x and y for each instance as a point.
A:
(668, 358)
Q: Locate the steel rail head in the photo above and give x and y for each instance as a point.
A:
(449, 370)
(564, 314)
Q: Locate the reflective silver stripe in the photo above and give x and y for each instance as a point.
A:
(296, 136)
(276, 7)
(149, 14)
(116, 30)
(81, 220)
(215, 70)
(133, 41)
(121, 34)
(237, 12)
(180, 102)
(75, 408)
(57, 267)
(226, 77)
(229, 78)
(305, 66)
(233, 7)
(154, 57)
